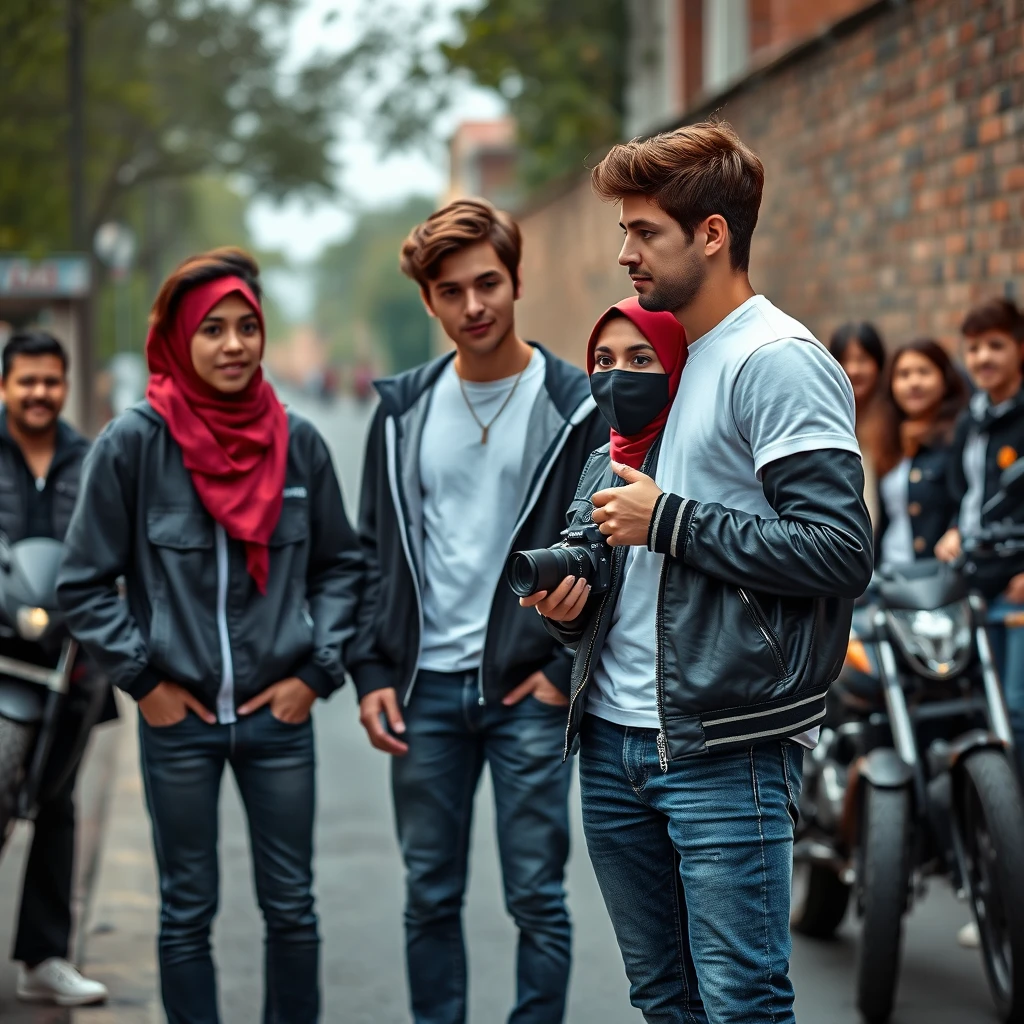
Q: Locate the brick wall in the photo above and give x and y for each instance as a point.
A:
(894, 156)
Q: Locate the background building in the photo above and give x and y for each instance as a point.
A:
(892, 135)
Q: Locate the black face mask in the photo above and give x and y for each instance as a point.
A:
(628, 399)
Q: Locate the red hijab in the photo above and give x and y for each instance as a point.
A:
(668, 339)
(235, 447)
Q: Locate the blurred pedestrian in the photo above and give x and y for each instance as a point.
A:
(40, 464)
(701, 675)
(222, 513)
(909, 444)
(861, 352)
(469, 456)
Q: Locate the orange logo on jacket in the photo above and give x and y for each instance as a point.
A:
(1006, 458)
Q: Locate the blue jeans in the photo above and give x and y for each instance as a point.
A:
(450, 736)
(695, 866)
(1008, 652)
(273, 764)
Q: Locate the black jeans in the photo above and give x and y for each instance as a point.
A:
(44, 921)
(273, 764)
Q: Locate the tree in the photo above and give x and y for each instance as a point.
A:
(173, 88)
(365, 308)
(559, 64)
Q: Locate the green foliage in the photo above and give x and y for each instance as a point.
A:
(173, 88)
(366, 309)
(559, 64)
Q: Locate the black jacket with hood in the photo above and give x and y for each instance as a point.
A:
(190, 599)
(565, 427)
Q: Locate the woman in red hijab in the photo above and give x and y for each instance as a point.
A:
(635, 359)
(222, 513)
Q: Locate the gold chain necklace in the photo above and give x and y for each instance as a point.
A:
(485, 427)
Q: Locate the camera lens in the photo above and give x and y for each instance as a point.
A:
(543, 569)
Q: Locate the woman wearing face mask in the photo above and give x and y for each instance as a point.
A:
(635, 360)
(222, 513)
(859, 349)
(910, 447)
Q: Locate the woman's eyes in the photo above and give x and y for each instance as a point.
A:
(641, 360)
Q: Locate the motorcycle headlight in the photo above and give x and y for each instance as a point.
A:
(32, 622)
(939, 644)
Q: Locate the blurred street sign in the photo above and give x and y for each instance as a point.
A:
(114, 244)
(54, 277)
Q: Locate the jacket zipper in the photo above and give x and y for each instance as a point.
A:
(659, 681)
(532, 500)
(226, 694)
(766, 631)
(391, 444)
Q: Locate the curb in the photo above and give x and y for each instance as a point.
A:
(119, 940)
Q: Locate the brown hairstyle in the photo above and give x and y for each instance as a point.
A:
(455, 227)
(691, 173)
(885, 440)
(199, 269)
(994, 315)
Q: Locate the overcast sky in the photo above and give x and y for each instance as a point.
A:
(367, 178)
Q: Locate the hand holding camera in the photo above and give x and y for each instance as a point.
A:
(565, 603)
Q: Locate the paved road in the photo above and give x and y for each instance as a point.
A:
(359, 883)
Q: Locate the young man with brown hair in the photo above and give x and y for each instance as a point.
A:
(989, 438)
(469, 456)
(701, 676)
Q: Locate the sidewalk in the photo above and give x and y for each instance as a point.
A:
(120, 934)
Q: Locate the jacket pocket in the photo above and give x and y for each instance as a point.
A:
(292, 526)
(764, 627)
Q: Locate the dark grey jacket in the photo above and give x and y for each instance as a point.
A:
(189, 592)
(753, 615)
(63, 477)
(565, 427)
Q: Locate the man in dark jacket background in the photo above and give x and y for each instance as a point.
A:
(40, 463)
(468, 458)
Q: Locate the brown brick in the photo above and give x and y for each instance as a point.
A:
(990, 130)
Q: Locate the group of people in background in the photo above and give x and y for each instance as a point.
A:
(935, 436)
(212, 574)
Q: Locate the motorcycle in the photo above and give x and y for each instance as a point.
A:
(37, 672)
(914, 774)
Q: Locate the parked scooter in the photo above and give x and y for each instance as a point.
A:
(914, 775)
(37, 666)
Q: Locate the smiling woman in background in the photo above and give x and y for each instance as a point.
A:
(909, 443)
(223, 514)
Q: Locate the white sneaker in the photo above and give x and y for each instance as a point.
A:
(57, 981)
(968, 936)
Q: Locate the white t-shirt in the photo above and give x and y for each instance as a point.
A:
(472, 494)
(894, 490)
(756, 388)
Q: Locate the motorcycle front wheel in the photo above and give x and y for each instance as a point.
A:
(16, 741)
(884, 887)
(992, 823)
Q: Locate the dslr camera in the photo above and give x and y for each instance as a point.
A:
(584, 553)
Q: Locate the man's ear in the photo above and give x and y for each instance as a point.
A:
(425, 299)
(517, 291)
(717, 234)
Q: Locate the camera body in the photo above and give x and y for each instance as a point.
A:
(584, 553)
